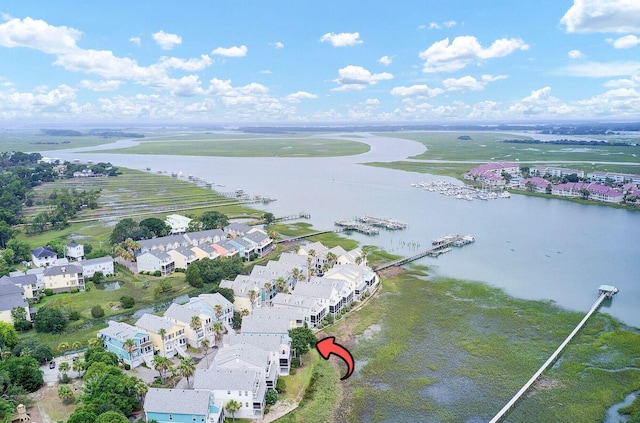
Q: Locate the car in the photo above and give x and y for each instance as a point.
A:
(75, 358)
(52, 364)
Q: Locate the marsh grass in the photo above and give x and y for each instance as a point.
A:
(454, 351)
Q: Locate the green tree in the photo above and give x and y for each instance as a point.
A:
(218, 330)
(8, 336)
(97, 311)
(193, 277)
(112, 417)
(64, 368)
(302, 339)
(232, 407)
(187, 367)
(99, 355)
(20, 322)
(141, 390)
(23, 371)
(50, 320)
(65, 393)
(162, 365)
(271, 397)
(98, 278)
(34, 348)
(155, 227)
(129, 346)
(268, 218)
(6, 233)
(126, 228)
(127, 301)
(213, 220)
(63, 347)
(21, 250)
(79, 366)
(205, 346)
(83, 415)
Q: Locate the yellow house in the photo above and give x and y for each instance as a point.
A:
(63, 278)
(174, 339)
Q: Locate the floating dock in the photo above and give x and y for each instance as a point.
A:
(381, 222)
(353, 225)
(439, 246)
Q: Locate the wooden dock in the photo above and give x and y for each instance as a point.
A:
(605, 291)
(439, 246)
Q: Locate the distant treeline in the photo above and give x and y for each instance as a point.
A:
(573, 142)
(558, 129)
(93, 132)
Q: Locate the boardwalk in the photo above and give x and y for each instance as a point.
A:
(439, 246)
(606, 291)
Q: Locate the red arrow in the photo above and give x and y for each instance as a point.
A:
(328, 346)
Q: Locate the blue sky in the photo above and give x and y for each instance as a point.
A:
(298, 62)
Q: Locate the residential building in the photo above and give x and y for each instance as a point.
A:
(116, 335)
(360, 279)
(249, 291)
(174, 339)
(235, 229)
(225, 248)
(262, 244)
(43, 256)
(210, 236)
(74, 251)
(245, 248)
(182, 406)
(537, 184)
(248, 356)
(156, 260)
(183, 315)
(63, 278)
(182, 257)
(278, 346)
(245, 386)
(100, 264)
(558, 172)
(312, 309)
(178, 223)
(334, 292)
(11, 296)
(28, 283)
(215, 306)
(270, 320)
(491, 173)
(164, 243)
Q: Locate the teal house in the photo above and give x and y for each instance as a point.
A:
(181, 406)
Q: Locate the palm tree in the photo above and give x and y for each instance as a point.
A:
(161, 364)
(218, 310)
(187, 367)
(63, 347)
(332, 258)
(267, 289)
(281, 284)
(162, 332)
(232, 406)
(79, 366)
(129, 346)
(66, 394)
(205, 347)
(252, 297)
(64, 368)
(76, 346)
(196, 323)
(218, 330)
(94, 342)
(325, 268)
(141, 389)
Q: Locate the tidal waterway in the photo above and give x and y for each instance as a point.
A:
(533, 248)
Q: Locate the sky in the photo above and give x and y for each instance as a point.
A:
(331, 62)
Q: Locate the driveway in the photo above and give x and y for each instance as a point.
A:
(51, 376)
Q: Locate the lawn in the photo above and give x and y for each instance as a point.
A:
(265, 146)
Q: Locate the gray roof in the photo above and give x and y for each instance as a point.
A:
(21, 279)
(160, 255)
(120, 331)
(215, 299)
(180, 313)
(163, 240)
(10, 295)
(67, 269)
(225, 379)
(42, 252)
(237, 227)
(257, 236)
(177, 401)
(210, 233)
(270, 320)
(154, 323)
(321, 287)
(266, 341)
(242, 352)
(99, 260)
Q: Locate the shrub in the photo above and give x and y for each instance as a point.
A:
(127, 366)
(271, 397)
(157, 273)
(127, 301)
(48, 292)
(65, 378)
(281, 385)
(73, 315)
(97, 312)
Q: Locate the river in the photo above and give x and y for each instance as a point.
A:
(534, 248)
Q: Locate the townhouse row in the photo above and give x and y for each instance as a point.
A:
(165, 254)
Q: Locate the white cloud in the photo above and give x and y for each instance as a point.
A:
(632, 82)
(38, 35)
(277, 45)
(433, 25)
(450, 24)
(166, 41)
(619, 102)
(190, 65)
(100, 86)
(136, 40)
(469, 83)
(356, 78)
(416, 91)
(234, 51)
(25, 104)
(266, 72)
(343, 39)
(385, 60)
(625, 42)
(300, 95)
(541, 103)
(603, 16)
(443, 56)
(575, 54)
(603, 70)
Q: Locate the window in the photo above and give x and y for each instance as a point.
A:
(246, 404)
(246, 394)
(170, 416)
(193, 418)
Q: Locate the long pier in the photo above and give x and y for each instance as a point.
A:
(439, 246)
(606, 291)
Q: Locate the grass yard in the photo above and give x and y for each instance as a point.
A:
(264, 146)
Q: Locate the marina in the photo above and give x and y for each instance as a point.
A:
(461, 192)
(382, 222)
(439, 246)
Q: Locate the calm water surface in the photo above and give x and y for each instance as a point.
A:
(533, 248)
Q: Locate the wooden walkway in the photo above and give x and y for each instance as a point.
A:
(605, 292)
(442, 245)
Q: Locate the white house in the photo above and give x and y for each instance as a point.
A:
(11, 296)
(43, 256)
(100, 264)
(155, 260)
(74, 251)
(178, 223)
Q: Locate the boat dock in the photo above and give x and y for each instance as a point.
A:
(353, 225)
(604, 292)
(439, 246)
(381, 222)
